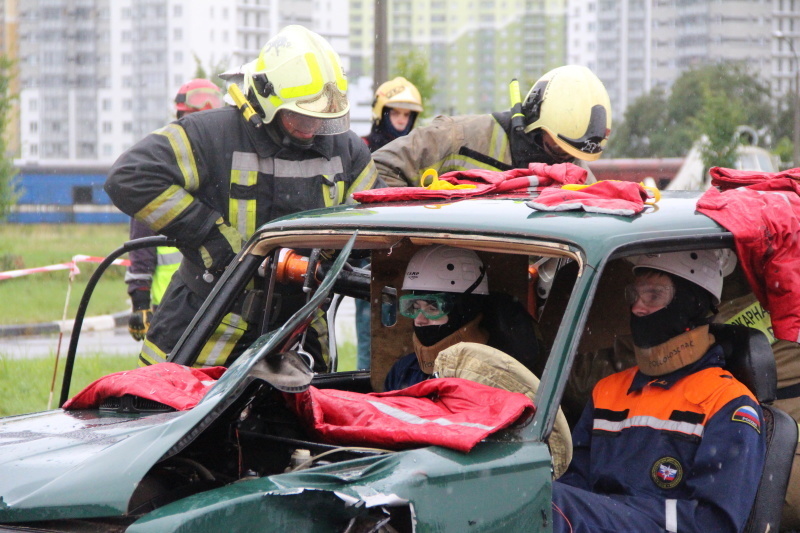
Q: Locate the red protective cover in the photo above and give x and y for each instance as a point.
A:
(485, 181)
(450, 412)
(764, 217)
(178, 386)
(610, 197)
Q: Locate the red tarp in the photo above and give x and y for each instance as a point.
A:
(451, 412)
(485, 181)
(178, 386)
(609, 197)
(762, 211)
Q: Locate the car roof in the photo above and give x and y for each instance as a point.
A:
(673, 217)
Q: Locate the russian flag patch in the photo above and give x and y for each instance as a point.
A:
(749, 416)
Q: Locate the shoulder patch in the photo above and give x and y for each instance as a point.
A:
(666, 473)
(749, 416)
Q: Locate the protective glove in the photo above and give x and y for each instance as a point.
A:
(139, 321)
(220, 246)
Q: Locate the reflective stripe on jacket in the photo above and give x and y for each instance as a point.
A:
(168, 259)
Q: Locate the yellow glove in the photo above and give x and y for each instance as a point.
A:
(440, 185)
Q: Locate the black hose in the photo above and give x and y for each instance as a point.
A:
(136, 244)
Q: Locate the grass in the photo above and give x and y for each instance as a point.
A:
(30, 394)
(40, 297)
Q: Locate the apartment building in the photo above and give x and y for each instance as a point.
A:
(97, 75)
(637, 45)
(474, 47)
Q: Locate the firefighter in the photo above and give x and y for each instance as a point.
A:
(565, 117)
(395, 109)
(210, 179)
(151, 269)
(675, 443)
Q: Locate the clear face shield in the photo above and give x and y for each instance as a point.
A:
(331, 101)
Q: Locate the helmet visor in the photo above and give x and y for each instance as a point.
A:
(329, 101)
(651, 295)
(305, 127)
(201, 98)
(432, 306)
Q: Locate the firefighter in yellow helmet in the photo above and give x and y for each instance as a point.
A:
(395, 109)
(210, 179)
(565, 117)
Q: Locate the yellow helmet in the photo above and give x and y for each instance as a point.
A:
(571, 104)
(397, 93)
(299, 71)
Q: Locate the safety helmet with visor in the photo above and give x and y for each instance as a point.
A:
(436, 275)
(572, 106)
(197, 95)
(705, 268)
(298, 73)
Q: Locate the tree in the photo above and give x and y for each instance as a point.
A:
(9, 193)
(711, 100)
(413, 66)
(718, 120)
(219, 67)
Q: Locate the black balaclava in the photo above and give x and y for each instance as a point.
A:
(688, 309)
(465, 308)
(384, 132)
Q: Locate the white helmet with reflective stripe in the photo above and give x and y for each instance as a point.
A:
(705, 268)
(299, 71)
(441, 268)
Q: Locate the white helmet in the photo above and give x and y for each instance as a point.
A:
(441, 268)
(705, 268)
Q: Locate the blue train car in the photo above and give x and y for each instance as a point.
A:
(60, 194)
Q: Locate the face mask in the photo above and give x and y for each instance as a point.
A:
(465, 308)
(688, 309)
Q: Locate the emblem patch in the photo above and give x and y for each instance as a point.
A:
(749, 416)
(666, 473)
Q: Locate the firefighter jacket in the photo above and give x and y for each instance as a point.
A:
(183, 178)
(680, 452)
(465, 142)
(209, 180)
(151, 268)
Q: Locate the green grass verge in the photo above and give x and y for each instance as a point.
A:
(40, 297)
(30, 394)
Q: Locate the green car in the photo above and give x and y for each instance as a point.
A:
(231, 462)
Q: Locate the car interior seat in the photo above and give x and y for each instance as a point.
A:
(749, 358)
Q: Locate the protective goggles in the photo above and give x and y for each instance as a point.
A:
(650, 295)
(200, 98)
(432, 306)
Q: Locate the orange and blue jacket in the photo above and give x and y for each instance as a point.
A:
(685, 450)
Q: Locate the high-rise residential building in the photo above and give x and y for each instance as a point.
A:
(9, 48)
(474, 47)
(97, 75)
(635, 46)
